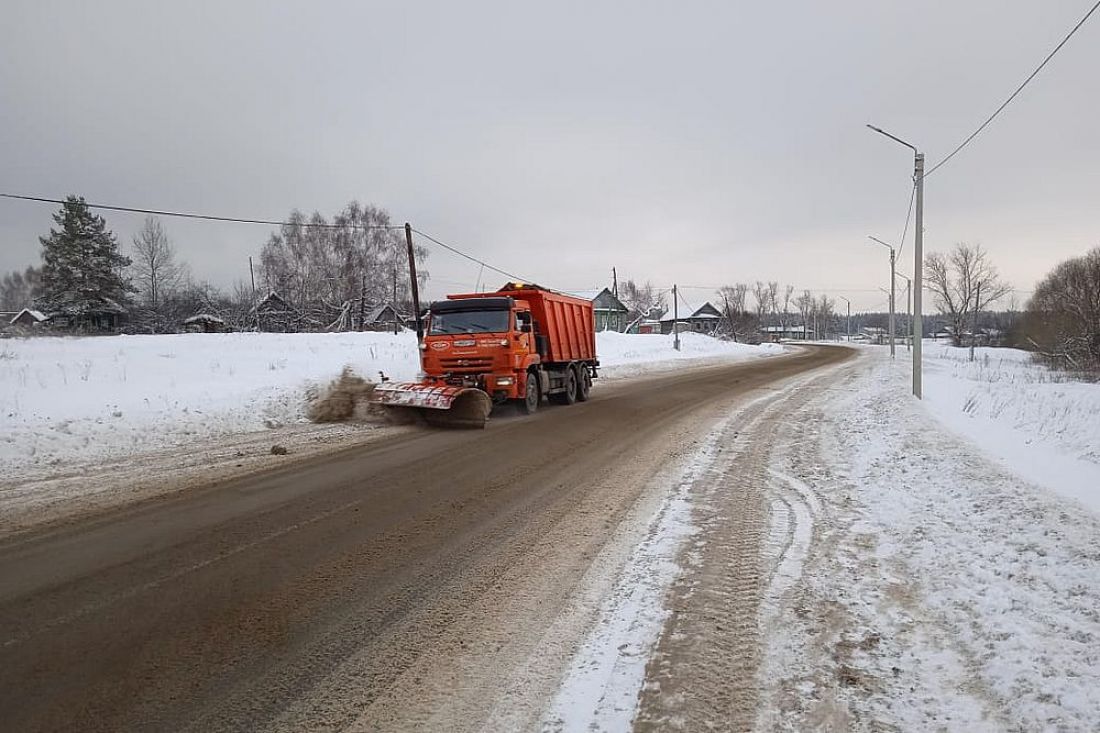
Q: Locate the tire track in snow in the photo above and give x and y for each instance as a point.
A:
(702, 675)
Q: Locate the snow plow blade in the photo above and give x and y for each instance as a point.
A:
(447, 407)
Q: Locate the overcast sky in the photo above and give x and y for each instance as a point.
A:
(699, 143)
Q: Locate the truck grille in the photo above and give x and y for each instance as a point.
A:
(467, 364)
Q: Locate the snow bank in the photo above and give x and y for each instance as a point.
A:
(1036, 422)
(84, 398)
(63, 398)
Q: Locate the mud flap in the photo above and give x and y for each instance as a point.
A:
(449, 407)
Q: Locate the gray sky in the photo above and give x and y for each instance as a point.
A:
(703, 143)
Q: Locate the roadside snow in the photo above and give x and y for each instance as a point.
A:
(78, 399)
(1034, 421)
(941, 591)
(600, 688)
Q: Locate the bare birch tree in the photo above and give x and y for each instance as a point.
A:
(963, 283)
(735, 317)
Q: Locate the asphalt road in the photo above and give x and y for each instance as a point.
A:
(315, 596)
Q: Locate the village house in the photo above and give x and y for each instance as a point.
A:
(704, 320)
(784, 333)
(610, 312)
(27, 318)
(105, 315)
(384, 317)
(275, 315)
(205, 323)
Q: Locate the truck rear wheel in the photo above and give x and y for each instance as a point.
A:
(530, 402)
(584, 385)
(569, 396)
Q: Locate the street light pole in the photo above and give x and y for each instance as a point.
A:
(848, 327)
(918, 259)
(918, 271)
(892, 299)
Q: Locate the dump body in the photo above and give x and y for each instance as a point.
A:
(565, 322)
(520, 343)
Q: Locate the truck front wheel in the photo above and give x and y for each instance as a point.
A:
(530, 402)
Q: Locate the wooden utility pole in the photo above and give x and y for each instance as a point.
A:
(252, 272)
(413, 284)
(615, 292)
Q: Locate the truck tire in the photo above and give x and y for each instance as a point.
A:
(529, 405)
(584, 385)
(569, 396)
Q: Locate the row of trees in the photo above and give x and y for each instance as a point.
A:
(1062, 321)
(332, 273)
(335, 271)
(772, 305)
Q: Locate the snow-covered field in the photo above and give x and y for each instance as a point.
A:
(64, 399)
(1033, 421)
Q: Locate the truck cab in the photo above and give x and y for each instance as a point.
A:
(488, 343)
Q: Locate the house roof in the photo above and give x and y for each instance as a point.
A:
(602, 299)
(274, 299)
(374, 314)
(705, 312)
(36, 315)
(203, 318)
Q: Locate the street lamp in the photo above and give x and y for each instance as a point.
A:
(848, 328)
(918, 258)
(908, 307)
(892, 275)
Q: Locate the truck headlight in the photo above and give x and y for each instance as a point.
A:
(505, 381)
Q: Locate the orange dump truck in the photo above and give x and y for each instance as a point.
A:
(521, 343)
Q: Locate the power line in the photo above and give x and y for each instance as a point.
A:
(814, 290)
(268, 222)
(908, 215)
(471, 258)
(205, 217)
(1019, 89)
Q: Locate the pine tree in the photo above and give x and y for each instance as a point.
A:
(82, 272)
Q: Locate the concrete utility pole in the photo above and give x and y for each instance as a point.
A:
(675, 319)
(918, 271)
(892, 276)
(848, 328)
(918, 259)
(908, 311)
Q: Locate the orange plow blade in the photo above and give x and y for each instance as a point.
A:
(449, 407)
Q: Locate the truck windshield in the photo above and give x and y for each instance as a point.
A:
(450, 322)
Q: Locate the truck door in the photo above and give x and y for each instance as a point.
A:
(525, 331)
